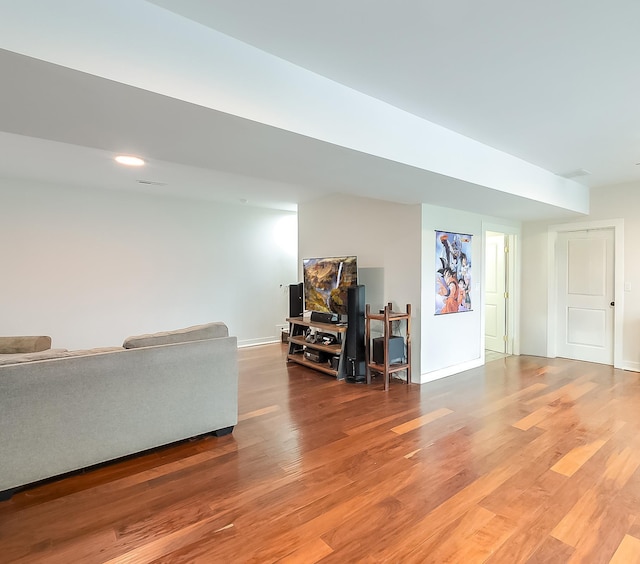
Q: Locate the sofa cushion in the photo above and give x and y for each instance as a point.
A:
(97, 350)
(52, 354)
(194, 333)
(16, 358)
(29, 344)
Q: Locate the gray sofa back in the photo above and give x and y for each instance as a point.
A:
(65, 414)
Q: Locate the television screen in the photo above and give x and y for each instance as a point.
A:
(326, 281)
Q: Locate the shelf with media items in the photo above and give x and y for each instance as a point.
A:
(317, 345)
(390, 353)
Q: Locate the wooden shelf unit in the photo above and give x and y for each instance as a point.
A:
(388, 316)
(298, 344)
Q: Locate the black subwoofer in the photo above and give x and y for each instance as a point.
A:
(396, 350)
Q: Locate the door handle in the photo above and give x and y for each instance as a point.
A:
(612, 304)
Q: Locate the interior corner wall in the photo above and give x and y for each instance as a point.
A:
(534, 286)
(607, 203)
(91, 266)
(381, 234)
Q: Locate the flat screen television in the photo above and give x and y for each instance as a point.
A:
(326, 281)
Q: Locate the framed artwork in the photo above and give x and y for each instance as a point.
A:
(453, 272)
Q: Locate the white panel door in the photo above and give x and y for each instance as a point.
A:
(585, 268)
(495, 328)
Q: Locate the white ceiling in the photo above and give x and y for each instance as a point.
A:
(552, 83)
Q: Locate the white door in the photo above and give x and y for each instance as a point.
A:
(495, 326)
(585, 270)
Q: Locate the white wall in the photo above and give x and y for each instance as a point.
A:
(381, 234)
(90, 266)
(453, 339)
(533, 289)
(453, 342)
(607, 203)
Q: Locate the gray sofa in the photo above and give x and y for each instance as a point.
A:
(62, 411)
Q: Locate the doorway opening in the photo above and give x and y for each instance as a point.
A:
(500, 309)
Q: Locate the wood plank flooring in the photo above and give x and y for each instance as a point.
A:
(524, 460)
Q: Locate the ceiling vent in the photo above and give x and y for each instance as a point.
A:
(575, 173)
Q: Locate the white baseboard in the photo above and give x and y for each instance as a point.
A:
(450, 370)
(260, 341)
(631, 366)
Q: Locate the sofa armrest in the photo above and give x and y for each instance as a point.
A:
(27, 344)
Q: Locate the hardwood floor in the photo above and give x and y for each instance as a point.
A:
(524, 460)
(490, 356)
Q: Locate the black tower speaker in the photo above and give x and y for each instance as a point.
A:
(354, 346)
(296, 293)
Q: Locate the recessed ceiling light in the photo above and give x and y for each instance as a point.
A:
(129, 160)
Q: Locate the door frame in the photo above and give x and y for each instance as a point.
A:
(512, 233)
(618, 284)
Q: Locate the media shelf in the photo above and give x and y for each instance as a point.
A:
(386, 368)
(298, 345)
